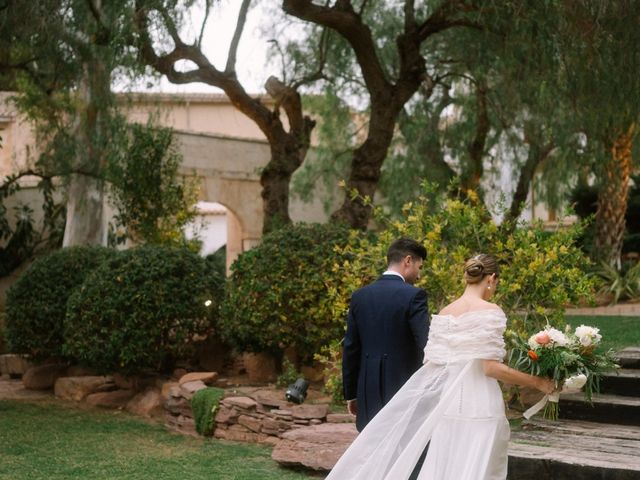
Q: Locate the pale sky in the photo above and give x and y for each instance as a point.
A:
(252, 52)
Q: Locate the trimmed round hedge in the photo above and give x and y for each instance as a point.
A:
(277, 295)
(36, 304)
(141, 310)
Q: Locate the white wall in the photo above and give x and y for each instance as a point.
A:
(210, 227)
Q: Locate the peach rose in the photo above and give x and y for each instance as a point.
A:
(543, 338)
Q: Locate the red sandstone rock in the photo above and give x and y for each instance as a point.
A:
(43, 377)
(307, 412)
(146, 404)
(114, 399)
(317, 447)
(245, 403)
(189, 388)
(77, 388)
(225, 414)
(206, 377)
(340, 418)
(168, 389)
(253, 424)
(14, 365)
(260, 367)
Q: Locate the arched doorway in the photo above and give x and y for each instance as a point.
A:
(217, 226)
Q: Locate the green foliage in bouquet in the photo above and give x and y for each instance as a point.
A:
(142, 309)
(37, 302)
(560, 356)
(277, 296)
(541, 272)
(204, 405)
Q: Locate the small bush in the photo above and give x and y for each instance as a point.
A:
(277, 296)
(37, 302)
(141, 310)
(204, 404)
(330, 358)
(289, 374)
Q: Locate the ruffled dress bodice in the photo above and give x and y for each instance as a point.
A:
(469, 336)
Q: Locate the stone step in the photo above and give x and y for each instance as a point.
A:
(574, 450)
(629, 358)
(606, 408)
(625, 382)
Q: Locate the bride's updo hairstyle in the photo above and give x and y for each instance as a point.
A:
(478, 267)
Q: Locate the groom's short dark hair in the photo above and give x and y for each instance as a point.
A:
(402, 247)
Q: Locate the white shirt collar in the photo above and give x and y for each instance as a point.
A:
(391, 272)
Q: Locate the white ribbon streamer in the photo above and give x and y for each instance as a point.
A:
(553, 397)
(570, 385)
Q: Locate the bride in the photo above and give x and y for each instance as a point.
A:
(453, 403)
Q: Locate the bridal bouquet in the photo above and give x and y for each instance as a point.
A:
(570, 358)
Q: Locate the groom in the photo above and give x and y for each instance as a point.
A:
(387, 330)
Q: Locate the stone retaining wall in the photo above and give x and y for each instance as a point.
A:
(258, 417)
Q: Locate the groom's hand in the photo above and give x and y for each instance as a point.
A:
(352, 406)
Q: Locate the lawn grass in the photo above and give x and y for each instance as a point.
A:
(617, 332)
(50, 441)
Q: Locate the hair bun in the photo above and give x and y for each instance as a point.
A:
(475, 270)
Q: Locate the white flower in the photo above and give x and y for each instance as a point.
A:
(532, 343)
(557, 337)
(588, 335)
(574, 384)
(208, 303)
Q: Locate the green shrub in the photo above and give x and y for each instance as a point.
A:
(217, 262)
(37, 302)
(153, 201)
(2, 330)
(330, 357)
(204, 404)
(141, 310)
(277, 295)
(541, 272)
(623, 284)
(289, 374)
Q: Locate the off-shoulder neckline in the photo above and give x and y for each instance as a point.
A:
(468, 312)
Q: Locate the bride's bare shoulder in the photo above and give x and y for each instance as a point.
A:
(492, 306)
(459, 307)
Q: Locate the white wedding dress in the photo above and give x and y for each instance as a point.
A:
(449, 403)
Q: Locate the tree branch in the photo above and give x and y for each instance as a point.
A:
(343, 19)
(207, 9)
(322, 59)
(233, 49)
(443, 18)
(99, 17)
(409, 15)
(205, 71)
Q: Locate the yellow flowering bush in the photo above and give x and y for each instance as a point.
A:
(542, 272)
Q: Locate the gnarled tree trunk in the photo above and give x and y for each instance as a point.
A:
(86, 191)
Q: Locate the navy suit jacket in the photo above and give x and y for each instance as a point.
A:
(387, 329)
